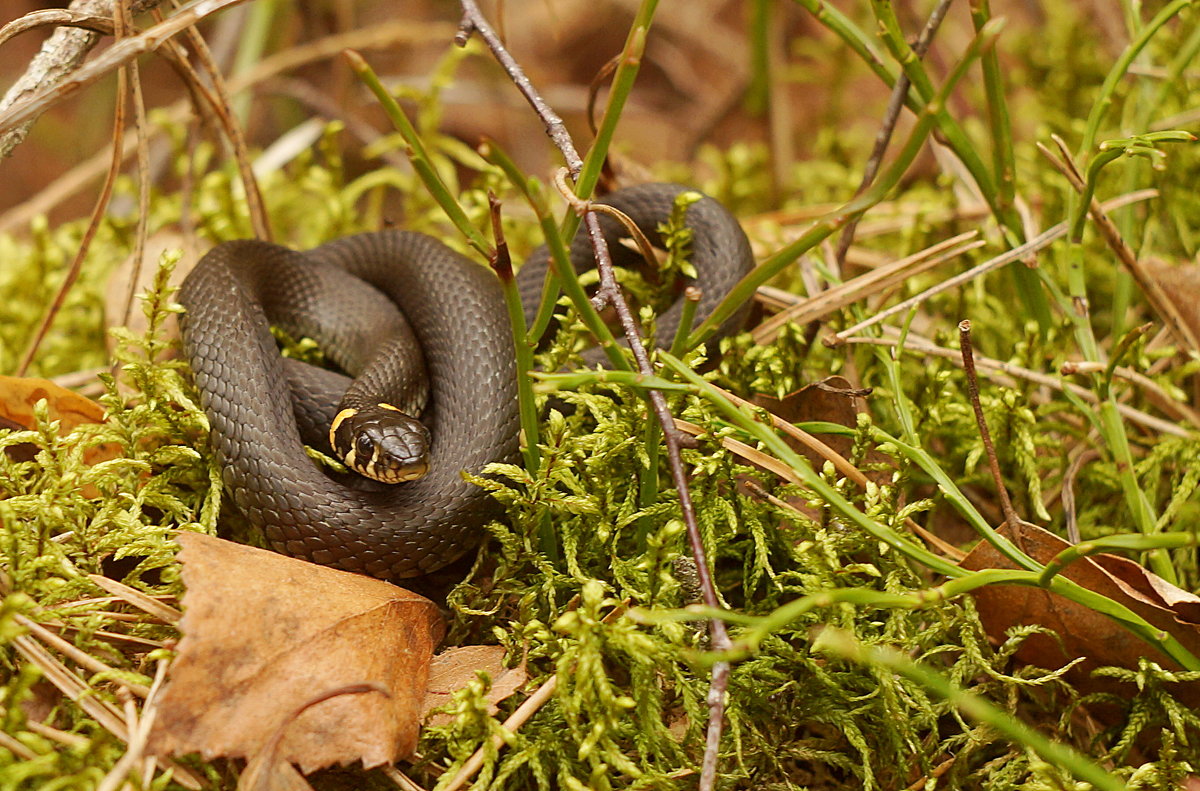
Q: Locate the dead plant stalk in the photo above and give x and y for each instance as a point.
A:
(474, 22)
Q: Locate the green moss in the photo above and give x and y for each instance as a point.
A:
(630, 710)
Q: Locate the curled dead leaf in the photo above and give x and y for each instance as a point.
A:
(265, 634)
(454, 668)
(19, 396)
(1083, 632)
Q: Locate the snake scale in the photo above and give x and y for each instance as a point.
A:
(459, 332)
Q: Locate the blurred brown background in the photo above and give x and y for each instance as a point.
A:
(696, 85)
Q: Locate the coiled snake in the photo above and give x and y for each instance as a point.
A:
(457, 314)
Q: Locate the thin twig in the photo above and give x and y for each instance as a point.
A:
(125, 22)
(538, 698)
(891, 116)
(375, 37)
(1154, 392)
(56, 17)
(85, 244)
(233, 132)
(22, 112)
(968, 361)
(1070, 516)
(473, 21)
(58, 59)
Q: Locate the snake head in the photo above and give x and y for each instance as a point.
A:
(381, 442)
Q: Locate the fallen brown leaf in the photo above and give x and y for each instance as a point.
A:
(19, 396)
(1083, 631)
(454, 668)
(265, 634)
(1181, 285)
(832, 400)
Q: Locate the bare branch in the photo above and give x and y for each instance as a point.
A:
(55, 17)
(891, 116)
(473, 21)
(46, 82)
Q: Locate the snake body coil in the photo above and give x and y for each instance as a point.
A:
(457, 313)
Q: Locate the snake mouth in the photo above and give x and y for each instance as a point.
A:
(404, 474)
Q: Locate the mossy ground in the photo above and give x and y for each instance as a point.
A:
(630, 710)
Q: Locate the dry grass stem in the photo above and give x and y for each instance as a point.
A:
(527, 709)
(154, 607)
(921, 345)
(1154, 393)
(515, 720)
(139, 728)
(223, 107)
(79, 657)
(1167, 310)
(866, 285)
(401, 780)
(103, 712)
(1015, 254)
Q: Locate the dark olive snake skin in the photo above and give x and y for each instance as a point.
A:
(457, 314)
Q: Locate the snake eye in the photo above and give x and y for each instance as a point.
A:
(363, 446)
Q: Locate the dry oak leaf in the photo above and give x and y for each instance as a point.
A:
(264, 634)
(19, 396)
(1181, 284)
(1084, 632)
(454, 668)
(833, 399)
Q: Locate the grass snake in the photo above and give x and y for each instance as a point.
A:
(262, 408)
